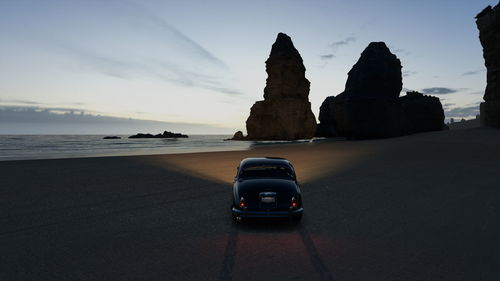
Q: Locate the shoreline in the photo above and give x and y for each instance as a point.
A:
(229, 145)
(312, 160)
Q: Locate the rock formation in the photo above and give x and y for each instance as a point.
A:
(377, 74)
(488, 23)
(165, 135)
(326, 126)
(370, 106)
(285, 113)
(237, 136)
(421, 113)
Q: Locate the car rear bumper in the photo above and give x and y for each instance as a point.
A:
(267, 214)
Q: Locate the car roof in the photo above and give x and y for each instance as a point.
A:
(257, 161)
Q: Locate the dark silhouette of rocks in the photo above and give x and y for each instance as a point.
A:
(377, 74)
(488, 23)
(165, 135)
(370, 106)
(326, 126)
(238, 136)
(421, 113)
(112, 138)
(285, 113)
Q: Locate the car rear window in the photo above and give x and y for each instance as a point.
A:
(267, 171)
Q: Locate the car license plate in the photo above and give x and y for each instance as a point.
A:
(267, 199)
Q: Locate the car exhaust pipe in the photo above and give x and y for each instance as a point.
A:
(238, 218)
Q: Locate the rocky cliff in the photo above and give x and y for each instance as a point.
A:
(285, 113)
(488, 23)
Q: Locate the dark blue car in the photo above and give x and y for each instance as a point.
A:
(266, 188)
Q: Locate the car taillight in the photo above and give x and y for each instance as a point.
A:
(242, 202)
(294, 203)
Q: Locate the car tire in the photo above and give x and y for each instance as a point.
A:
(297, 218)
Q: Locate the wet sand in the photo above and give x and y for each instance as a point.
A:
(422, 207)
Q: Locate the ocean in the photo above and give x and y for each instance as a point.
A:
(21, 147)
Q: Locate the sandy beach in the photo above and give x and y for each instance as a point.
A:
(421, 207)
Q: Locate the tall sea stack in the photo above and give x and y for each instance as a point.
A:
(488, 23)
(285, 113)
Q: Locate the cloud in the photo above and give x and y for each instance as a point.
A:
(54, 120)
(439, 91)
(407, 73)
(466, 111)
(15, 101)
(16, 114)
(402, 52)
(29, 104)
(149, 48)
(399, 50)
(223, 90)
(474, 72)
(344, 42)
(130, 68)
(327, 56)
(50, 109)
(189, 42)
(446, 106)
(334, 46)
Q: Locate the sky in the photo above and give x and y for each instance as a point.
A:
(202, 63)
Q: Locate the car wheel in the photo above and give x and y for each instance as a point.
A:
(297, 218)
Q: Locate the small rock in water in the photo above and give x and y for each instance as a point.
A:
(238, 136)
(165, 135)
